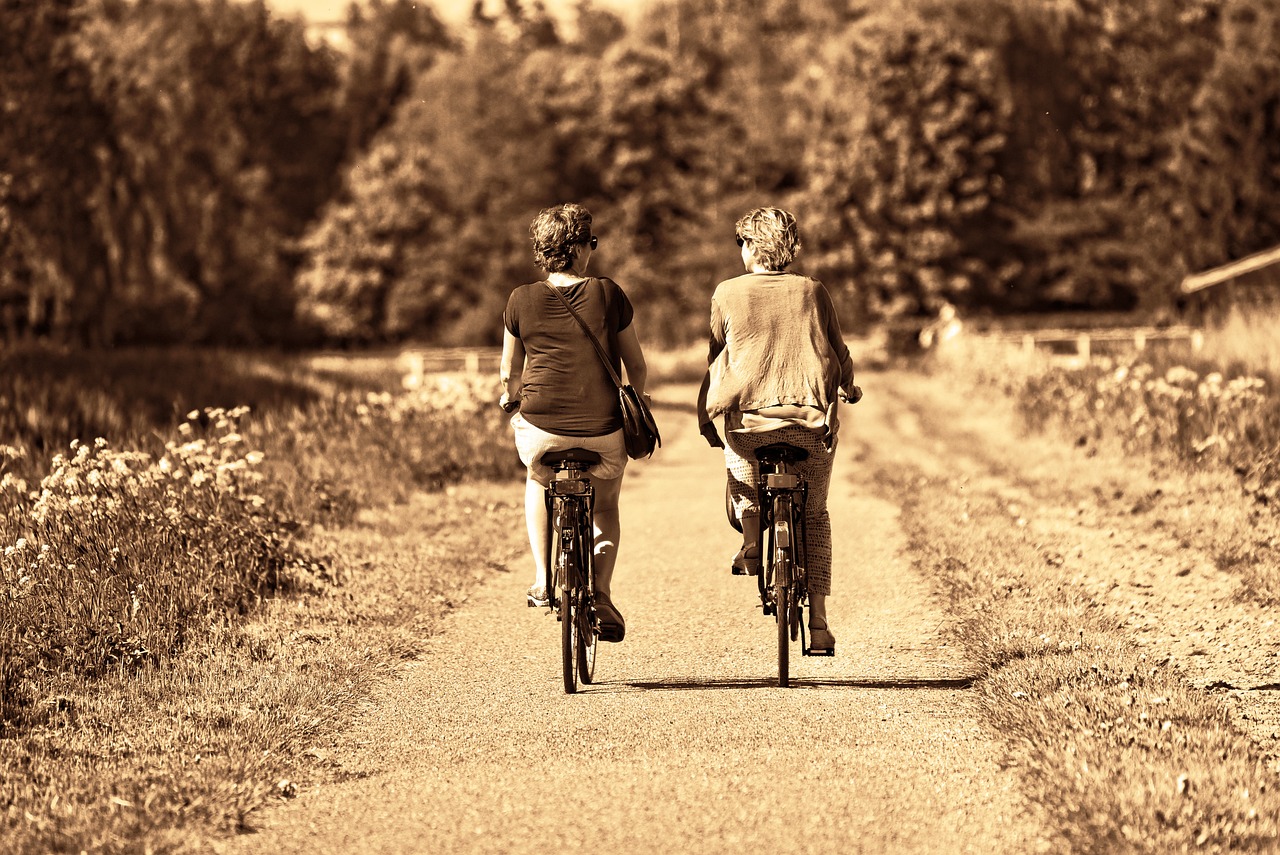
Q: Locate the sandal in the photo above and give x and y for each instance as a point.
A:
(612, 626)
(821, 640)
(536, 597)
(747, 561)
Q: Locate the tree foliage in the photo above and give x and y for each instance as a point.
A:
(199, 169)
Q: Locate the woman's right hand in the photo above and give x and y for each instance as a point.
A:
(853, 396)
(508, 404)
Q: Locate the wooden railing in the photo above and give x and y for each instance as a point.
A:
(419, 362)
(1083, 340)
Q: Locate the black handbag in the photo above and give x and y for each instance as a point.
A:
(639, 430)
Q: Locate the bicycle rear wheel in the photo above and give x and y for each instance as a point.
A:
(782, 585)
(585, 641)
(782, 601)
(568, 619)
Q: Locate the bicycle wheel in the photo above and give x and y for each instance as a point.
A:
(585, 642)
(782, 601)
(568, 618)
(782, 536)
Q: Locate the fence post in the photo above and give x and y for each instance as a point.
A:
(473, 362)
(1028, 344)
(1139, 339)
(1082, 346)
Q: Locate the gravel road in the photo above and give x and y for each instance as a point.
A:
(685, 743)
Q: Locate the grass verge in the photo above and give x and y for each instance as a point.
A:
(170, 759)
(1120, 751)
(138, 709)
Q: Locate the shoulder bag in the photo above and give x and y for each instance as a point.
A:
(638, 427)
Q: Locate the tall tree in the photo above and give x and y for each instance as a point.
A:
(908, 132)
(52, 131)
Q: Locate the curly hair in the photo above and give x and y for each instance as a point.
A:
(774, 236)
(555, 232)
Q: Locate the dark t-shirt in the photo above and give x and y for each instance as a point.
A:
(567, 390)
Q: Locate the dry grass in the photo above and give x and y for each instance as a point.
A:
(1120, 751)
(1218, 422)
(167, 759)
(1246, 342)
(137, 708)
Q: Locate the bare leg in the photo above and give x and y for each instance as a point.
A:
(608, 530)
(535, 518)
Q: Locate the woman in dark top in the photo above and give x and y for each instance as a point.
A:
(551, 371)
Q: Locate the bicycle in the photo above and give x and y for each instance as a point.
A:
(570, 552)
(782, 582)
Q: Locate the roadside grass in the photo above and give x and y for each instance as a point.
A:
(170, 759)
(133, 706)
(1220, 431)
(1246, 342)
(1121, 753)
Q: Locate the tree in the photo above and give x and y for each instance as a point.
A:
(51, 130)
(903, 178)
(1224, 174)
(223, 138)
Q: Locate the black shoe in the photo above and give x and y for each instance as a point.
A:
(747, 561)
(612, 626)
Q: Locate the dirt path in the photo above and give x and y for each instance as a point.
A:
(685, 743)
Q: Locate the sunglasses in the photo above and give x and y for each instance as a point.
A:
(593, 242)
(741, 240)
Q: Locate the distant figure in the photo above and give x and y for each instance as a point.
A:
(777, 362)
(942, 330)
(552, 373)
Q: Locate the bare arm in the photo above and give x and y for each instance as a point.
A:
(633, 357)
(511, 369)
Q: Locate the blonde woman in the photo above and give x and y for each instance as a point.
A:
(551, 372)
(777, 363)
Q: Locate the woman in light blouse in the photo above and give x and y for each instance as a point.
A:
(777, 364)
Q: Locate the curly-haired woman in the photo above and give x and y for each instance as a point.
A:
(776, 365)
(551, 371)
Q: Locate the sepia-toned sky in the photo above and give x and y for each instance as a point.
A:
(450, 10)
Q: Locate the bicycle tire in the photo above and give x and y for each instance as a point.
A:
(587, 639)
(782, 601)
(782, 584)
(568, 620)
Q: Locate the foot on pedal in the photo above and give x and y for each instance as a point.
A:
(821, 642)
(747, 561)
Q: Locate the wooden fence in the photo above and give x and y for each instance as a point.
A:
(1081, 344)
(419, 362)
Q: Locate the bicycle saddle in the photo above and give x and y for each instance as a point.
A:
(570, 455)
(781, 451)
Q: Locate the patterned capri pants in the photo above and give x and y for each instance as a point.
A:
(744, 474)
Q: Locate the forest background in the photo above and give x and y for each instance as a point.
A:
(202, 171)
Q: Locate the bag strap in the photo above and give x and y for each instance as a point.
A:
(604, 357)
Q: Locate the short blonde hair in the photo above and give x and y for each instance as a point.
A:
(555, 232)
(774, 236)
